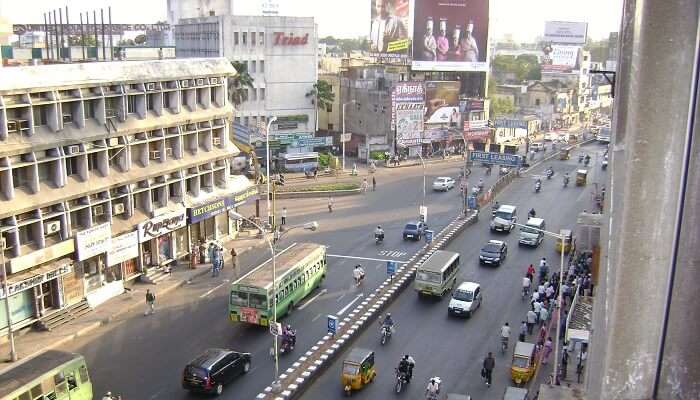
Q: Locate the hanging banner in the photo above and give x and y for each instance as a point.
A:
(93, 241)
(124, 247)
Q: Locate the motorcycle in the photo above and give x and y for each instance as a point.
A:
(401, 380)
(526, 293)
(538, 186)
(494, 208)
(586, 161)
(550, 173)
(504, 345)
(386, 334)
(288, 342)
(434, 396)
(580, 158)
(566, 181)
(378, 238)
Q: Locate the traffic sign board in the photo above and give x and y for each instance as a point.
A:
(332, 324)
(510, 160)
(275, 328)
(428, 236)
(391, 267)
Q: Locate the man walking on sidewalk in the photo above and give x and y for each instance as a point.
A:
(487, 370)
(284, 215)
(150, 302)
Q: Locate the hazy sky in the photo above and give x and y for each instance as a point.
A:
(349, 18)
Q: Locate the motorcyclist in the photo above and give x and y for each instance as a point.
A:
(566, 179)
(550, 172)
(544, 269)
(481, 184)
(587, 159)
(526, 285)
(433, 389)
(379, 232)
(411, 363)
(532, 213)
(359, 274)
(403, 369)
(388, 323)
(110, 396)
(289, 335)
(494, 208)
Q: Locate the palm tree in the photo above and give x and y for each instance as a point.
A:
(239, 83)
(322, 96)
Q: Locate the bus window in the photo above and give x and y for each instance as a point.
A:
(83, 374)
(237, 299)
(258, 301)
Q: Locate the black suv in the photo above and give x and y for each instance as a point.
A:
(493, 252)
(213, 369)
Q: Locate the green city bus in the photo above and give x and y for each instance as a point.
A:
(438, 274)
(50, 375)
(300, 269)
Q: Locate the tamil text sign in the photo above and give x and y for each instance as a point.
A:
(450, 35)
(510, 160)
(124, 247)
(93, 241)
(407, 108)
(565, 32)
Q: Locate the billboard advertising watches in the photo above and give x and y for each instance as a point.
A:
(450, 35)
(389, 27)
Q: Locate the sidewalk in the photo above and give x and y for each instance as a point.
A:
(29, 343)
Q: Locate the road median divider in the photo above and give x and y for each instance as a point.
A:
(336, 189)
(320, 356)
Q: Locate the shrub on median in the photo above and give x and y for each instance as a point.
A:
(323, 187)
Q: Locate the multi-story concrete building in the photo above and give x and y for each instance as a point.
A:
(108, 171)
(281, 56)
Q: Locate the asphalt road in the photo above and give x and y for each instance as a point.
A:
(143, 357)
(454, 348)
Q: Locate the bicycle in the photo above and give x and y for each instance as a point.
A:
(504, 345)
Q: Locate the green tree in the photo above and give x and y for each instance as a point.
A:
(501, 106)
(321, 95)
(140, 39)
(238, 84)
(76, 40)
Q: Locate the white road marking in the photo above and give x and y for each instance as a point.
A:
(392, 253)
(365, 258)
(301, 307)
(342, 295)
(210, 291)
(342, 310)
(316, 317)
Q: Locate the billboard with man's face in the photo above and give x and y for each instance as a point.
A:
(450, 35)
(389, 28)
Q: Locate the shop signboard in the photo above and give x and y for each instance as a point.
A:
(93, 241)
(474, 134)
(450, 35)
(208, 210)
(14, 287)
(407, 109)
(245, 195)
(508, 160)
(512, 123)
(471, 105)
(124, 247)
(41, 256)
(559, 58)
(565, 32)
(161, 225)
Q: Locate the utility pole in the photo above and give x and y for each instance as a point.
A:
(10, 334)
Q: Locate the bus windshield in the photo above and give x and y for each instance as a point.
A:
(258, 301)
(427, 276)
(239, 299)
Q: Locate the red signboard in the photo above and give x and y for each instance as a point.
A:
(282, 39)
(477, 134)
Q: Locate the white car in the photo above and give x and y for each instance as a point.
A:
(443, 183)
(465, 299)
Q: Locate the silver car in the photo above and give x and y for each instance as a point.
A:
(443, 183)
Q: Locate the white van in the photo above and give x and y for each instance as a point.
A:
(504, 219)
(531, 234)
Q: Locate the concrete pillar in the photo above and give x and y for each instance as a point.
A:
(655, 90)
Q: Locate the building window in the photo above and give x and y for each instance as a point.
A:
(71, 166)
(262, 66)
(235, 38)
(246, 121)
(253, 65)
(330, 127)
(244, 38)
(262, 93)
(89, 109)
(252, 39)
(262, 38)
(92, 161)
(40, 116)
(329, 107)
(254, 95)
(131, 104)
(537, 102)
(150, 102)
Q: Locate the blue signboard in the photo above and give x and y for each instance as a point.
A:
(471, 202)
(332, 324)
(428, 236)
(510, 160)
(391, 267)
(510, 123)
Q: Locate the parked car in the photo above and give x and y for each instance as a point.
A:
(443, 183)
(494, 252)
(465, 299)
(413, 230)
(213, 369)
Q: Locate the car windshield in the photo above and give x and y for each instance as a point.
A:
(351, 369)
(520, 362)
(427, 276)
(529, 229)
(503, 215)
(463, 295)
(491, 248)
(411, 227)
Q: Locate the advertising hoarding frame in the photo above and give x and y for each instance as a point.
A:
(395, 41)
(566, 32)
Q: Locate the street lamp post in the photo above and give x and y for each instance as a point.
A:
(559, 296)
(422, 163)
(267, 167)
(10, 334)
(342, 139)
(312, 226)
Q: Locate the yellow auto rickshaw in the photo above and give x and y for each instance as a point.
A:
(524, 363)
(568, 238)
(581, 177)
(358, 369)
(564, 153)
